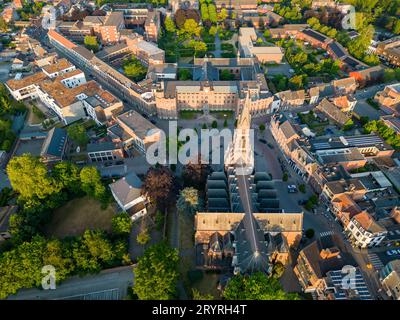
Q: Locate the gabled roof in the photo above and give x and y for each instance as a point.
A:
(127, 189)
(54, 143)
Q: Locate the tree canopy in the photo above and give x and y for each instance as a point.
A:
(256, 287)
(156, 273)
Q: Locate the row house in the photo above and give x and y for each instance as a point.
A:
(364, 232)
(389, 97)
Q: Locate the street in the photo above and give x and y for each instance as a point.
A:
(111, 284)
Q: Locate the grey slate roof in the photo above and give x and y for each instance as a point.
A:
(127, 188)
(54, 143)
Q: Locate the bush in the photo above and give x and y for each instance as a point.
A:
(143, 237)
(285, 177)
(261, 127)
(302, 188)
(214, 124)
(310, 233)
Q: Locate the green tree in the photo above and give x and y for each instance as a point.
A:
(134, 69)
(197, 46)
(214, 124)
(3, 25)
(285, 176)
(170, 25)
(189, 200)
(213, 30)
(261, 127)
(310, 233)
(225, 123)
(143, 237)
(121, 223)
(67, 176)
(222, 15)
(198, 296)
(256, 286)
(190, 28)
(77, 133)
(184, 74)
(92, 252)
(29, 177)
(212, 11)
(302, 188)
(91, 43)
(91, 183)
(156, 273)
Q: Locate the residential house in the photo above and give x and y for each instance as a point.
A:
(333, 112)
(54, 146)
(364, 232)
(317, 259)
(368, 76)
(389, 97)
(390, 279)
(128, 194)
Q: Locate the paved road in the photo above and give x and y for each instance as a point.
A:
(4, 181)
(111, 284)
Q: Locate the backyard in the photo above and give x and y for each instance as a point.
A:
(80, 214)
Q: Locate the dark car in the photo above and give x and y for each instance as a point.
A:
(119, 162)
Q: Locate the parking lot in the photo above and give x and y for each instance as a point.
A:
(29, 146)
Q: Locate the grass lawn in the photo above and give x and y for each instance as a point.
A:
(77, 215)
(189, 115)
(222, 114)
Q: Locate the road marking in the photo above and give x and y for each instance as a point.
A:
(326, 233)
(375, 261)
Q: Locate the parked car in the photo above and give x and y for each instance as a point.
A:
(393, 252)
(292, 188)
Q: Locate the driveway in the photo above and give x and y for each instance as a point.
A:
(111, 284)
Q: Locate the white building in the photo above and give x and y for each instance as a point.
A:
(127, 193)
(364, 232)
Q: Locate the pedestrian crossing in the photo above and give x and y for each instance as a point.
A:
(326, 233)
(375, 261)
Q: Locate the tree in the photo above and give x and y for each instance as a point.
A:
(189, 200)
(256, 286)
(190, 28)
(77, 133)
(197, 46)
(226, 75)
(302, 188)
(198, 296)
(3, 25)
(29, 177)
(67, 176)
(143, 237)
(121, 223)
(159, 185)
(222, 15)
(195, 174)
(91, 183)
(156, 273)
(91, 43)
(225, 123)
(285, 176)
(212, 11)
(213, 31)
(214, 124)
(184, 74)
(134, 69)
(261, 127)
(170, 25)
(92, 251)
(310, 233)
